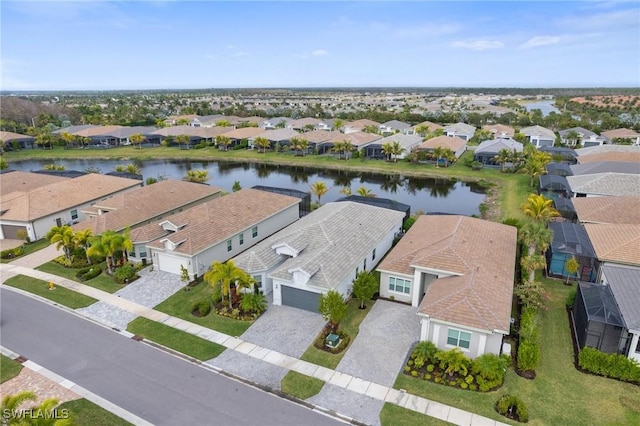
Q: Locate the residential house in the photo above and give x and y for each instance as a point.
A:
(207, 120)
(609, 153)
(459, 271)
(281, 137)
(14, 141)
(617, 135)
(407, 142)
(359, 125)
(604, 184)
(570, 240)
(605, 167)
(175, 120)
(36, 208)
(304, 124)
(616, 210)
(241, 134)
(429, 126)
(276, 123)
(500, 131)
(196, 134)
(123, 134)
(359, 140)
(455, 144)
(486, 152)
(395, 126)
(320, 141)
(539, 136)
(461, 130)
(323, 251)
(216, 230)
(575, 136)
(617, 244)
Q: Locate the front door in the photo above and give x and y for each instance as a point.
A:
(58, 222)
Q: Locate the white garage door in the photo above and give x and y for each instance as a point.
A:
(168, 263)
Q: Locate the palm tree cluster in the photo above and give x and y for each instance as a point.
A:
(69, 241)
(13, 405)
(507, 156)
(112, 246)
(223, 142)
(343, 147)
(392, 150)
(299, 145)
(441, 153)
(262, 143)
(197, 176)
(230, 280)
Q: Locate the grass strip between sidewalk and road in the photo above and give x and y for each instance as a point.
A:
(392, 415)
(8, 368)
(177, 340)
(84, 412)
(61, 295)
(101, 282)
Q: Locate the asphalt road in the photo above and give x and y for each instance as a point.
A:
(155, 386)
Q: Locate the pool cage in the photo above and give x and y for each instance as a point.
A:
(571, 240)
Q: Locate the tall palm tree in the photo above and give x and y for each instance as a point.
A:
(338, 124)
(532, 263)
(223, 142)
(539, 208)
(63, 237)
(396, 150)
(534, 168)
(82, 238)
(68, 138)
(438, 152)
(299, 144)
(137, 139)
(449, 157)
(104, 245)
(263, 143)
(364, 192)
(537, 237)
(387, 150)
(318, 189)
(502, 158)
(227, 274)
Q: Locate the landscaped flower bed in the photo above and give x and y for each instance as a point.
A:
(320, 342)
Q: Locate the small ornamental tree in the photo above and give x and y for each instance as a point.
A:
(332, 308)
(364, 287)
(571, 265)
(184, 277)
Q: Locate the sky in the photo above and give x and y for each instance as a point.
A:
(111, 45)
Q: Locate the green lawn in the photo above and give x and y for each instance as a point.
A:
(178, 340)
(8, 368)
(85, 413)
(102, 282)
(60, 295)
(180, 304)
(392, 415)
(28, 249)
(300, 386)
(559, 395)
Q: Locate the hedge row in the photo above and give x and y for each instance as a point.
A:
(12, 253)
(86, 274)
(615, 366)
(528, 348)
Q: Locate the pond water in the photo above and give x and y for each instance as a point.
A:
(426, 194)
(544, 106)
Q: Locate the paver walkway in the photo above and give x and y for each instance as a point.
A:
(38, 258)
(345, 381)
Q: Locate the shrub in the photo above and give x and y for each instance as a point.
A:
(430, 368)
(124, 274)
(528, 355)
(469, 379)
(476, 165)
(427, 376)
(473, 387)
(464, 385)
(615, 366)
(510, 405)
(253, 302)
(453, 361)
(87, 274)
(414, 373)
(424, 351)
(410, 364)
(12, 252)
(571, 297)
(490, 367)
(407, 369)
(76, 263)
(203, 307)
(216, 296)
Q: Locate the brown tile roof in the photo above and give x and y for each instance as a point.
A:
(615, 242)
(63, 195)
(482, 252)
(498, 129)
(245, 133)
(214, 221)
(453, 143)
(621, 133)
(18, 181)
(201, 132)
(97, 131)
(317, 136)
(619, 210)
(10, 136)
(134, 207)
(632, 157)
(429, 125)
(356, 138)
(361, 124)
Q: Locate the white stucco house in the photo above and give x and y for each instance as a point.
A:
(35, 203)
(323, 251)
(461, 130)
(539, 136)
(216, 230)
(459, 272)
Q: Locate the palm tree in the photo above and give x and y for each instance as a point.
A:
(453, 361)
(223, 142)
(13, 404)
(183, 139)
(137, 139)
(263, 143)
(449, 157)
(68, 138)
(82, 239)
(532, 167)
(387, 150)
(196, 176)
(318, 189)
(539, 208)
(364, 192)
(299, 144)
(532, 263)
(338, 124)
(537, 237)
(346, 190)
(503, 157)
(438, 152)
(227, 274)
(63, 237)
(104, 245)
(396, 150)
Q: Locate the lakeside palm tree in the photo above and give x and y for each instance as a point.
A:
(223, 142)
(262, 143)
(137, 139)
(183, 139)
(318, 189)
(503, 157)
(396, 150)
(364, 192)
(196, 176)
(387, 150)
(539, 208)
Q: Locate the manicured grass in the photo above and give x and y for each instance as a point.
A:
(85, 413)
(178, 340)
(8, 368)
(28, 249)
(559, 394)
(180, 304)
(392, 415)
(300, 386)
(102, 282)
(61, 295)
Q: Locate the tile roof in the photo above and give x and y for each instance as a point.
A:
(278, 135)
(245, 133)
(617, 243)
(609, 153)
(10, 136)
(396, 124)
(479, 254)
(495, 145)
(200, 132)
(97, 131)
(361, 124)
(461, 128)
(623, 282)
(429, 125)
(605, 166)
(538, 131)
(333, 240)
(605, 184)
(61, 195)
(406, 141)
(209, 223)
(621, 133)
(622, 209)
(452, 143)
(580, 130)
(134, 207)
(17, 181)
(317, 136)
(499, 129)
(301, 122)
(357, 139)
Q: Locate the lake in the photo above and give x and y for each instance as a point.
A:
(427, 194)
(544, 106)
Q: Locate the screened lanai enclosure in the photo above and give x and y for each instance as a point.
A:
(565, 208)
(597, 320)
(554, 186)
(570, 240)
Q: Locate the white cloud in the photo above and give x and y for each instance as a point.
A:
(319, 52)
(231, 46)
(238, 54)
(479, 45)
(540, 41)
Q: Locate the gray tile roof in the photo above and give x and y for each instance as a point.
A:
(604, 167)
(461, 129)
(406, 141)
(333, 240)
(538, 131)
(398, 125)
(495, 145)
(624, 283)
(605, 184)
(580, 130)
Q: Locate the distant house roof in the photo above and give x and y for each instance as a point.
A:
(624, 286)
(494, 146)
(584, 133)
(125, 132)
(605, 184)
(452, 143)
(406, 141)
(197, 132)
(317, 136)
(331, 241)
(618, 210)
(429, 125)
(74, 129)
(278, 135)
(207, 224)
(461, 129)
(396, 125)
(357, 139)
(604, 167)
(615, 243)
(10, 136)
(134, 207)
(481, 257)
(302, 122)
(245, 133)
(361, 124)
(96, 131)
(500, 129)
(621, 133)
(591, 154)
(538, 131)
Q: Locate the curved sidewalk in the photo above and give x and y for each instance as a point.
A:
(346, 381)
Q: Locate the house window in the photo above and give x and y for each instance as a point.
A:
(74, 214)
(241, 238)
(458, 338)
(373, 254)
(258, 280)
(364, 264)
(399, 285)
(132, 253)
(229, 245)
(143, 253)
(254, 231)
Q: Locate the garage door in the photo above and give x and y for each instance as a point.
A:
(11, 231)
(300, 298)
(169, 263)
